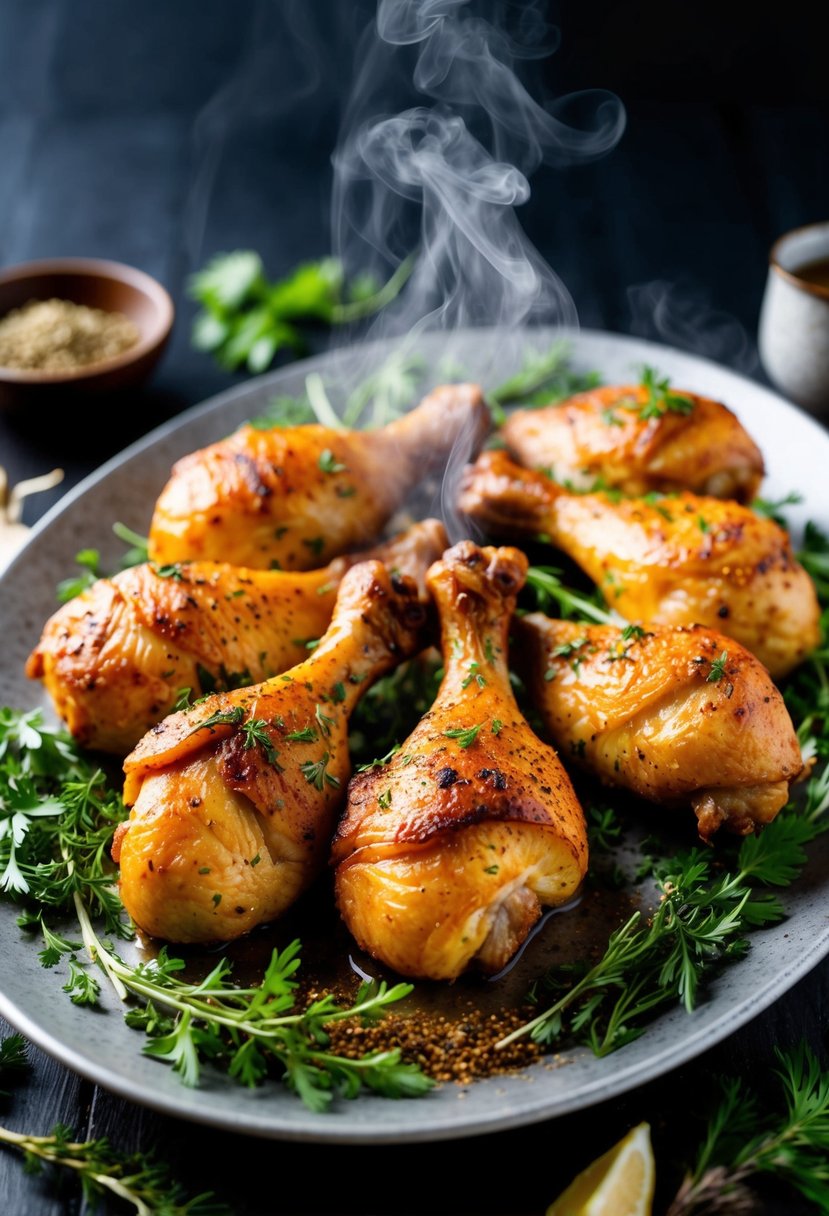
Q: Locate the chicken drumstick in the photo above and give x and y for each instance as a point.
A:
(446, 854)
(114, 658)
(296, 497)
(677, 716)
(681, 560)
(234, 801)
(617, 433)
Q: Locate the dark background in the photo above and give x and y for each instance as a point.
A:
(160, 133)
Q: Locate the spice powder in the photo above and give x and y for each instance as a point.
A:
(60, 336)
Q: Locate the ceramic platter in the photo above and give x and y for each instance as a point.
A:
(104, 1049)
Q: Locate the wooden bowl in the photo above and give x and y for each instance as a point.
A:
(98, 284)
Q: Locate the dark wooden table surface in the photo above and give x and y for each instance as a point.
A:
(159, 134)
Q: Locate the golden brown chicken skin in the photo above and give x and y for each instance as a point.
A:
(115, 658)
(234, 801)
(616, 435)
(677, 716)
(675, 560)
(446, 855)
(298, 496)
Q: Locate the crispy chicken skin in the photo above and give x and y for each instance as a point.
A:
(446, 854)
(114, 658)
(681, 560)
(659, 713)
(234, 801)
(299, 496)
(602, 434)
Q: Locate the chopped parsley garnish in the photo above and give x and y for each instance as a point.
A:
(306, 735)
(329, 463)
(661, 400)
(634, 633)
(717, 669)
(474, 675)
(465, 736)
(222, 717)
(316, 773)
(325, 723)
(316, 544)
(173, 571)
(255, 731)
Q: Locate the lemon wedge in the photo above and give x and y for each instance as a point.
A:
(619, 1183)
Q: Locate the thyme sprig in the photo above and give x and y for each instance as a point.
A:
(545, 378)
(699, 922)
(138, 1179)
(741, 1142)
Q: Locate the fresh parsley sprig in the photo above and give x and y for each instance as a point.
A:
(245, 318)
(661, 400)
(250, 1030)
(57, 819)
(741, 1142)
(89, 561)
(14, 1060)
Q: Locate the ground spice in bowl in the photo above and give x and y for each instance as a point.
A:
(60, 336)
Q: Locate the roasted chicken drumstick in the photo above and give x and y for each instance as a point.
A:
(446, 854)
(677, 716)
(636, 444)
(114, 658)
(234, 801)
(681, 560)
(296, 497)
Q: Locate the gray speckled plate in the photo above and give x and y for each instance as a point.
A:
(100, 1045)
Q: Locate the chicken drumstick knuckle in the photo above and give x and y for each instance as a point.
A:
(446, 854)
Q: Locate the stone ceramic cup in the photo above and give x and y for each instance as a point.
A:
(794, 320)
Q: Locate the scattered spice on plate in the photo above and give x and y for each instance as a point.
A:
(446, 1048)
(60, 336)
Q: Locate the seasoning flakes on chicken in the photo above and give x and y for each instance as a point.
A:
(447, 853)
(678, 559)
(115, 658)
(635, 439)
(235, 800)
(677, 716)
(295, 497)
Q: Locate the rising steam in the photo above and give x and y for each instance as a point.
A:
(446, 178)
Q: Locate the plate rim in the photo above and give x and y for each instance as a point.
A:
(327, 1128)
